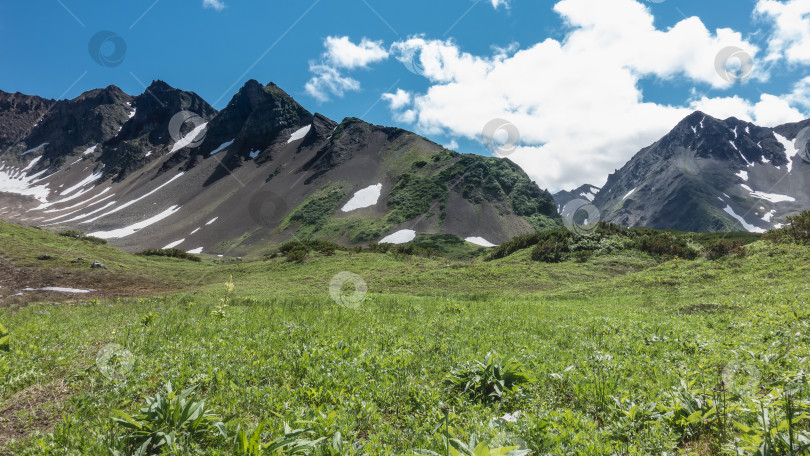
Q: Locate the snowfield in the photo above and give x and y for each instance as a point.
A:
(299, 134)
(480, 241)
(366, 197)
(400, 237)
(132, 229)
(750, 228)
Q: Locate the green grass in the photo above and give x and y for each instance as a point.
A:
(624, 354)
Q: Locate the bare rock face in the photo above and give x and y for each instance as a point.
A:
(709, 174)
(261, 171)
(19, 114)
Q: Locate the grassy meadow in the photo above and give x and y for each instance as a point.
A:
(618, 352)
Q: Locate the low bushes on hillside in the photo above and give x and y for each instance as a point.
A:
(408, 249)
(664, 244)
(297, 251)
(171, 253)
(553, 247)
(82, 237)
(797, 230)
(557, 245)
(723, 248)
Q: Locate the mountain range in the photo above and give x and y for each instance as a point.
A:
(708, 175)
(164, 169)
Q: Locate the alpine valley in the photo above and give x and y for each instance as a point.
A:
(164, 169)
(261, 171)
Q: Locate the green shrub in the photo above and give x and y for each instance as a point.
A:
(82, 237)
(4, 339)
(528, 240)
(322, 247)
(489, 380)
(171, 253)
(552, 250)
(379, 248)
(797, 230)
(663, 244)
(412, 196)
(475, 448)
(316, 210)
(168, 423)
(720, 249)
(296, 255)
(582, 256)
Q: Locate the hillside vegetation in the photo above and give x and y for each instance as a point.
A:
(651, 343)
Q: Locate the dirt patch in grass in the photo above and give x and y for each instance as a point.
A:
(112, 282)
(36, 408)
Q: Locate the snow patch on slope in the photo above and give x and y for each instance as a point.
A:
(130, 203)
(12, 180)
(746, 225)
(222, 147)
(189, 138)
(790, 149)
(174, 244)
(400, 237)
(773, 197)
(35, 149)
(132, 229)
(629, 193)
(366, 197)
(299, 134)
(480, 241)
(86, 181)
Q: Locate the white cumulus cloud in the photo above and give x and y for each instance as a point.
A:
(791, 36)
(218, 5)
(341, 54)
(328, 81)
(578, 103)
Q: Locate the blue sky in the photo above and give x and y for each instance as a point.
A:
(587, 83)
